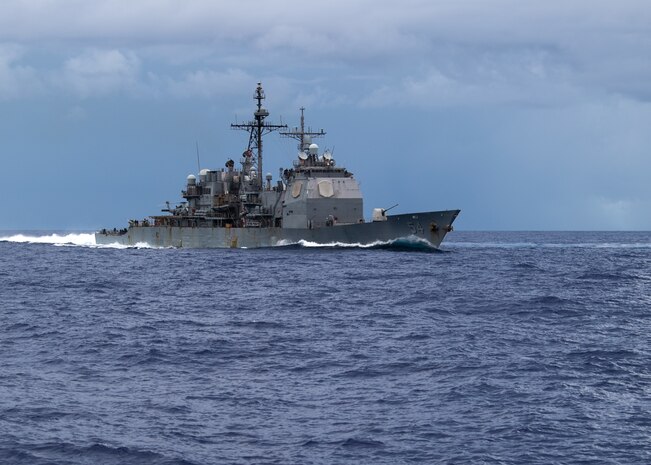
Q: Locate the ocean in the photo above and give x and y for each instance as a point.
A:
(503, 348)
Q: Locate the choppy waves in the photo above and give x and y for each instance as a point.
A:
(318, 355)
(534, 245)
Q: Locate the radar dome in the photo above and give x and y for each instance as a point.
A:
(192, 180)
(314, 149)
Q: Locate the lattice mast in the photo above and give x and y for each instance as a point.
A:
(257, 128)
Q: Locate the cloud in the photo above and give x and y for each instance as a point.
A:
(414, 51)
(204, 83)
(529, 76)
(16, 80)
(99, 72)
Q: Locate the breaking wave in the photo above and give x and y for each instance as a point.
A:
(407, 243)
(82, 239)
(67, 240)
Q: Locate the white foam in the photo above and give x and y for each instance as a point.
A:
(405, 241)
(81, 239)
(69, 240)
(304, 243)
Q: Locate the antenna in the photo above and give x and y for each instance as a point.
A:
(198, 162)
(300, 133)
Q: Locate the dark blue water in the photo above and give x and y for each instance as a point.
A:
(507, 348)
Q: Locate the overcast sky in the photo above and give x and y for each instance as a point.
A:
(525, 115)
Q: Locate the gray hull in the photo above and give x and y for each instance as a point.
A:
(429, 226)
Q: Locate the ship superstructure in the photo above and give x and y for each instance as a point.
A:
(314, 200)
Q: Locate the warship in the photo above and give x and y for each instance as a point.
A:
(315, 201)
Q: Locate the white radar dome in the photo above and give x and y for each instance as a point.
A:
(314, 149)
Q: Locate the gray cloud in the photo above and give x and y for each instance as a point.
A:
(536, 111)
(16, 80)
(99, 72)
(206, 83)
(436, 52)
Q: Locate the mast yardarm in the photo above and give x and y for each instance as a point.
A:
(303, 136)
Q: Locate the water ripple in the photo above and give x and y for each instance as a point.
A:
(510, 348)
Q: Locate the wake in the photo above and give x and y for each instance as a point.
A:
(407, 244)
(66, 240)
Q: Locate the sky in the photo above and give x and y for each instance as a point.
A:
(528, 115)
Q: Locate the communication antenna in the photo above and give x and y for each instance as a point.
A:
(198, 162)
(303, 135)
